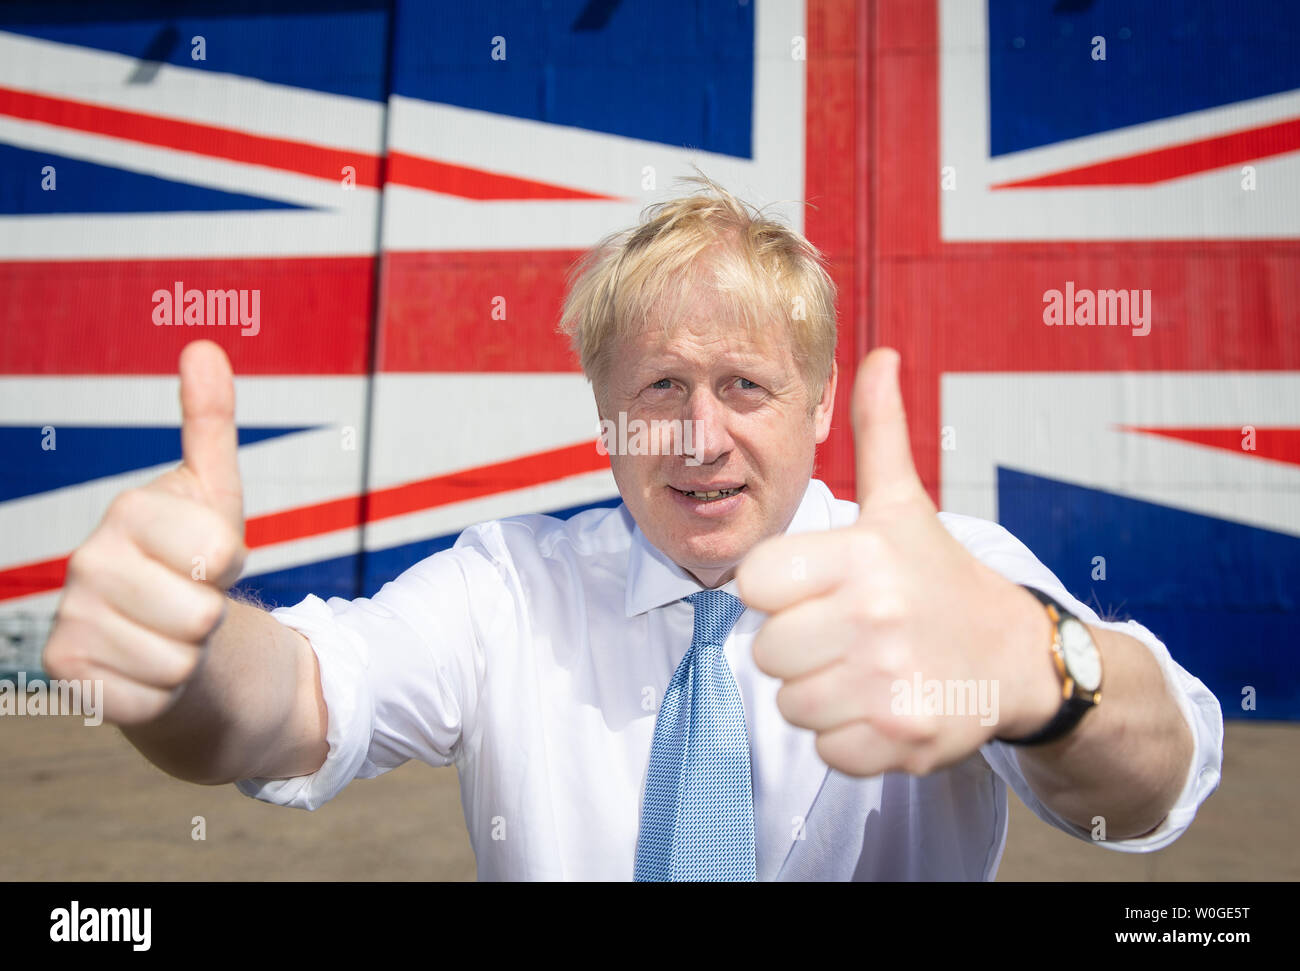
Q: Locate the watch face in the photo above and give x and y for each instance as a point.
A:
(1082, 659)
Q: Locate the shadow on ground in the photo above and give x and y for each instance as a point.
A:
(80, 804)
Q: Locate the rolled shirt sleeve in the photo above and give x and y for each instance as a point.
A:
(1001, 551)
(400, 672)
(349, 702)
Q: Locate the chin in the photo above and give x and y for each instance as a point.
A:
(709, 554)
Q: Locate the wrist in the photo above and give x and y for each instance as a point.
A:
(1035, 683)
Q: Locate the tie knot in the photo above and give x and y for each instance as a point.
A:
(716, 612)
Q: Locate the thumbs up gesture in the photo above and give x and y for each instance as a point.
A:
(861, 617)
(145, 591)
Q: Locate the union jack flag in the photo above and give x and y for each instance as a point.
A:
(405, 184)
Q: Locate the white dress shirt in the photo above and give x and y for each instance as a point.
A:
(533, 656)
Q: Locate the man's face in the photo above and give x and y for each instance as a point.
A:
(753, 429)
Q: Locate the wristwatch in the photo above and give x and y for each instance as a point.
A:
(1078, 664)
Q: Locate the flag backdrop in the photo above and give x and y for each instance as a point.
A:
(1078, 221)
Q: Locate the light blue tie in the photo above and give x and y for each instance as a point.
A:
(697, 818)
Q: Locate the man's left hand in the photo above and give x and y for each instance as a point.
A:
(859, 616)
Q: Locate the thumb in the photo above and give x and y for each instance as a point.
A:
(882, 450)
(209, 443)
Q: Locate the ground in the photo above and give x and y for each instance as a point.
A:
(80, 804)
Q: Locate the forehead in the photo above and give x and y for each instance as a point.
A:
(702, 326)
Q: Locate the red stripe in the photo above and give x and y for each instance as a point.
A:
(1278, 444)
(95, 317)
(318, 161)
(470, 183)
(836, 158)
(1177, 161)
(33, 578)
(315, 314)
(460, 292)
(442, 490)
(327, 517)
(212, 141)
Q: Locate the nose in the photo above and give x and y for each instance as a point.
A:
(706, 438)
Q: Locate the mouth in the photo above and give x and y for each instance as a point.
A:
(710, 495)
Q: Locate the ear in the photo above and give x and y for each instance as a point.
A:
(826, 407)
(598, 390)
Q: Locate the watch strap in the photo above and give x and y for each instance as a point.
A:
(1067, 716)
(1073, 708)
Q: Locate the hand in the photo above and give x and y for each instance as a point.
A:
(860, 616)
(145, 591)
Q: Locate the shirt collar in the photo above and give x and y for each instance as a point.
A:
(654, 580)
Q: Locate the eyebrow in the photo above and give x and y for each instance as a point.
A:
(741, 359)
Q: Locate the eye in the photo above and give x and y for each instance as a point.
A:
(663, 384)
(747, 385)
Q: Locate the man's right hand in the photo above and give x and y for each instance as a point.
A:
(147, 589)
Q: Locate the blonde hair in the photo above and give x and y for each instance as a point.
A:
(763, 272)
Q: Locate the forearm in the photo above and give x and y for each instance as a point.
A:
(252, 709)
(1128, 758)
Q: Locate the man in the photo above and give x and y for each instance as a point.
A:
(727, 677)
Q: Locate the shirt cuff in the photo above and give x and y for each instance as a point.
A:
(349, 708)
(1204, 717)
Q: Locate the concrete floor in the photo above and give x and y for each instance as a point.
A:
(80, 804)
